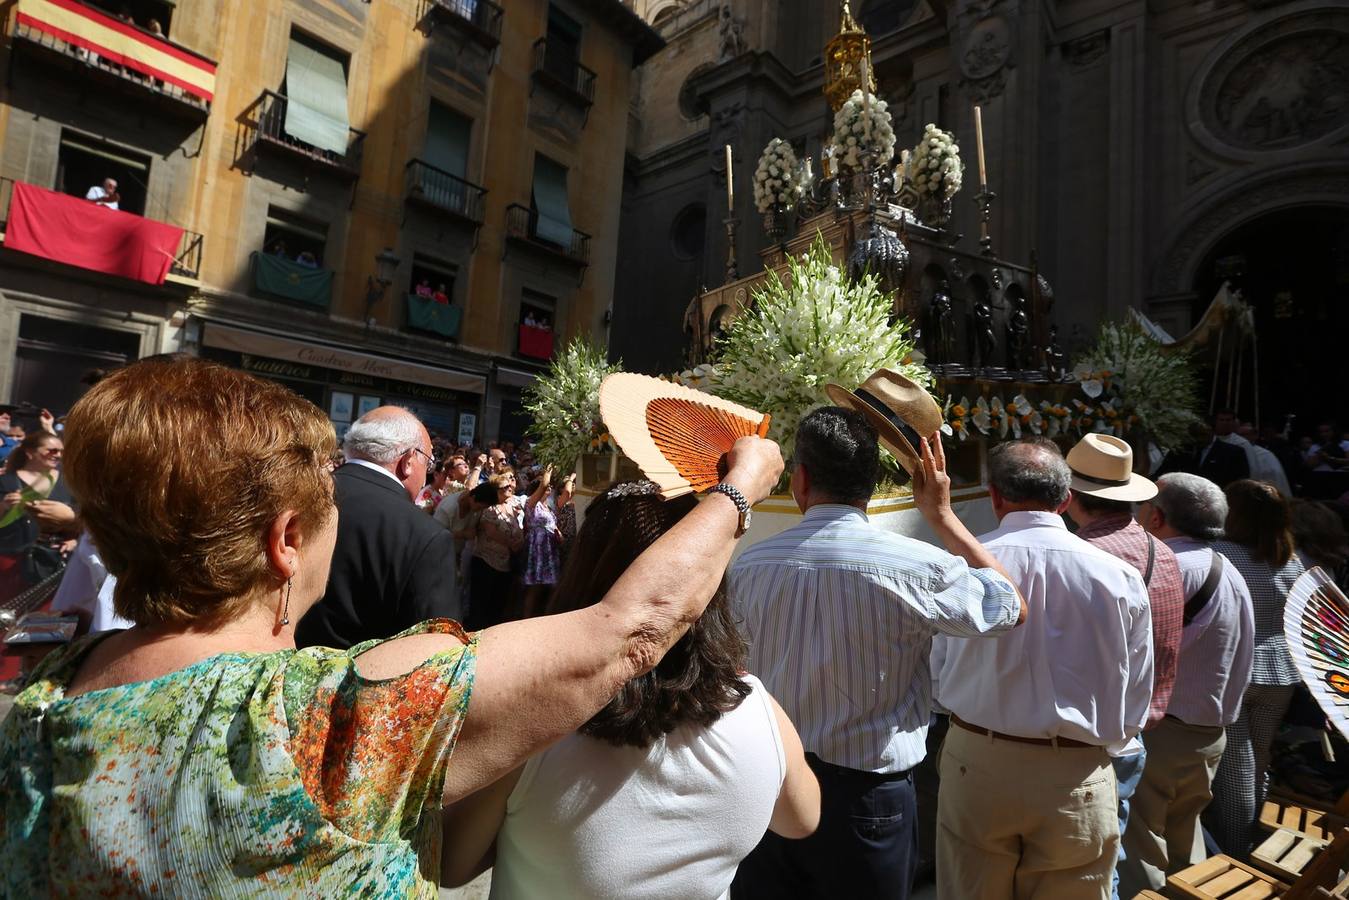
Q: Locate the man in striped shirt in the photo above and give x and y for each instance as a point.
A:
(840, 616)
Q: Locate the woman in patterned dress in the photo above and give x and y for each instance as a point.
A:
(199, 753)
(1259, 544)
(543, 543)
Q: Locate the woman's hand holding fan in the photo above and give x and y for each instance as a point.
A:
(680, 438)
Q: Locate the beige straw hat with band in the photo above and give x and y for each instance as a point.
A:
(901, 411)
(1102, 466)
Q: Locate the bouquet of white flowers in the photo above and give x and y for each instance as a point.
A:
(935, 167)
(777, 180)
(1133, 380)
(857, 125)
(804, 331)
(565, 405)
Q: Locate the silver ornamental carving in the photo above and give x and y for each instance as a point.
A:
(882, 254)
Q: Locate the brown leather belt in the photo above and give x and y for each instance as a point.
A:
(1039, 742)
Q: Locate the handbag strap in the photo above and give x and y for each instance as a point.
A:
(1152, 558)
(1195, 605)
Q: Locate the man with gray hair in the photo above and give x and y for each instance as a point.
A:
(1216, 648)
(393, 564)
(1027, 805)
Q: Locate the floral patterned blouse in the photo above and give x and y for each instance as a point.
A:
(245, 774)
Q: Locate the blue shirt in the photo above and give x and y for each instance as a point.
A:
(840, 616)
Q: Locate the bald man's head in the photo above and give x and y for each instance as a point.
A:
(394, 439)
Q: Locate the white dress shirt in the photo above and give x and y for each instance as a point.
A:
(1080, 667)
(840, 616)
(1264, 465)
(1216, 649)
(97, 193)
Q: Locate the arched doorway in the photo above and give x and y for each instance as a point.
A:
(1292, 267)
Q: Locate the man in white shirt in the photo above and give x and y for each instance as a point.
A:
(1264, 465)
(839, 615)
(1216, 649)
(1027, 805)
(105, 194)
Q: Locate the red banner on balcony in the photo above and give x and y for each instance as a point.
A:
(536, 342)
(80, 233)
(119, 42)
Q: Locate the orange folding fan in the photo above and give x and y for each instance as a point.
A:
(676, 435)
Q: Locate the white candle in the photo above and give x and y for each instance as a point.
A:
(730, 183)
(810, 174)
(979, 145)
(866, 98)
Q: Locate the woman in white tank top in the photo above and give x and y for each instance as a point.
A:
(666, 789)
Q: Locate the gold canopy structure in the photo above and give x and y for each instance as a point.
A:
(843, 57)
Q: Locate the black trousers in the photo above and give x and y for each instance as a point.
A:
(488, 596)
(866, 845)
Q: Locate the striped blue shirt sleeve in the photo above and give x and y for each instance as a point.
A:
(969, 602)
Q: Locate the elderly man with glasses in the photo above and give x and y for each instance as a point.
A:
(392, 564)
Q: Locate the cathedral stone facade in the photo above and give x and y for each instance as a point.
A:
(1141, 153)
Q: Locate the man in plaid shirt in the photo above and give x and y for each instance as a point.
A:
(1101, 505)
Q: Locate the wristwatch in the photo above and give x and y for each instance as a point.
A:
(741, 504)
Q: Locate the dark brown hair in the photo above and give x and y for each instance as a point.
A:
(32, 442)
(180, 465)
(1258, 518)
(1318, 533)
(699, 679)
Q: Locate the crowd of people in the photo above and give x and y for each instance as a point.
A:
(1099, 682)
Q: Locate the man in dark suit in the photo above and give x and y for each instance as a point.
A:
(392, 566)
(1218, 461)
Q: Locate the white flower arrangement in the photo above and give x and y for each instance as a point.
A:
(854, 129)
(802, 332)
(779, 178)
(934, 166)
(565, 405)
(1135, 381)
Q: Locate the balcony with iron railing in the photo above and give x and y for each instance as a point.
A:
(186, 263)
(563, 73)
(479, 19)
(439, 191)
(144, 67)
(266, 126)
(522, 224)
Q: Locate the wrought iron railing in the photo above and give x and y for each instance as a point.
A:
(436, 187)
(186, 262)
(564, 71)
(482, 15)
(268, 124)
(47, 41)
(522, 223)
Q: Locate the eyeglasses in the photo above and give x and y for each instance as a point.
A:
(51, 451)
(430, 457)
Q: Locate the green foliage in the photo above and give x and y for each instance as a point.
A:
(565, 404)
(1154, 387)
(802, 332)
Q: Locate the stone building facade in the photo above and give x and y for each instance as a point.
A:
(1141, 153)
(336, 156)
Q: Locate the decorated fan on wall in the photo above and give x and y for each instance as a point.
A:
(1316, 626)
(676, 435)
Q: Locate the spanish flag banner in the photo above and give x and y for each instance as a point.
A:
(119, 42)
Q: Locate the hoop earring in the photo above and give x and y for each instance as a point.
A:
(285, 613)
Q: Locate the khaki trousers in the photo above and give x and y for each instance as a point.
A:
(1163, 835)
(1020, 821)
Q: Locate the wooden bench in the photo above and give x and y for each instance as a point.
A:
(1304, 814)
(1224, 878)
(1286, 852)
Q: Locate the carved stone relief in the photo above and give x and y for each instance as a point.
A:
(984, 35)
(1283, 85)
(1085, 51)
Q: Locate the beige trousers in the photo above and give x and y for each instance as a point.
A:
(1163, 835)
(1019, 821)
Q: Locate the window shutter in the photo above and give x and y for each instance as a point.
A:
(550, 201)
(316, 92)
(447, 136)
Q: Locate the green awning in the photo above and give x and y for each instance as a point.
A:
(281, 277)
(550, 201)
(447, 136)
(316, 92)
(425, 314)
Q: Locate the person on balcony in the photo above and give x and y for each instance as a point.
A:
(423, 288)
(442, 295)
(104, 194)
(307, 260)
